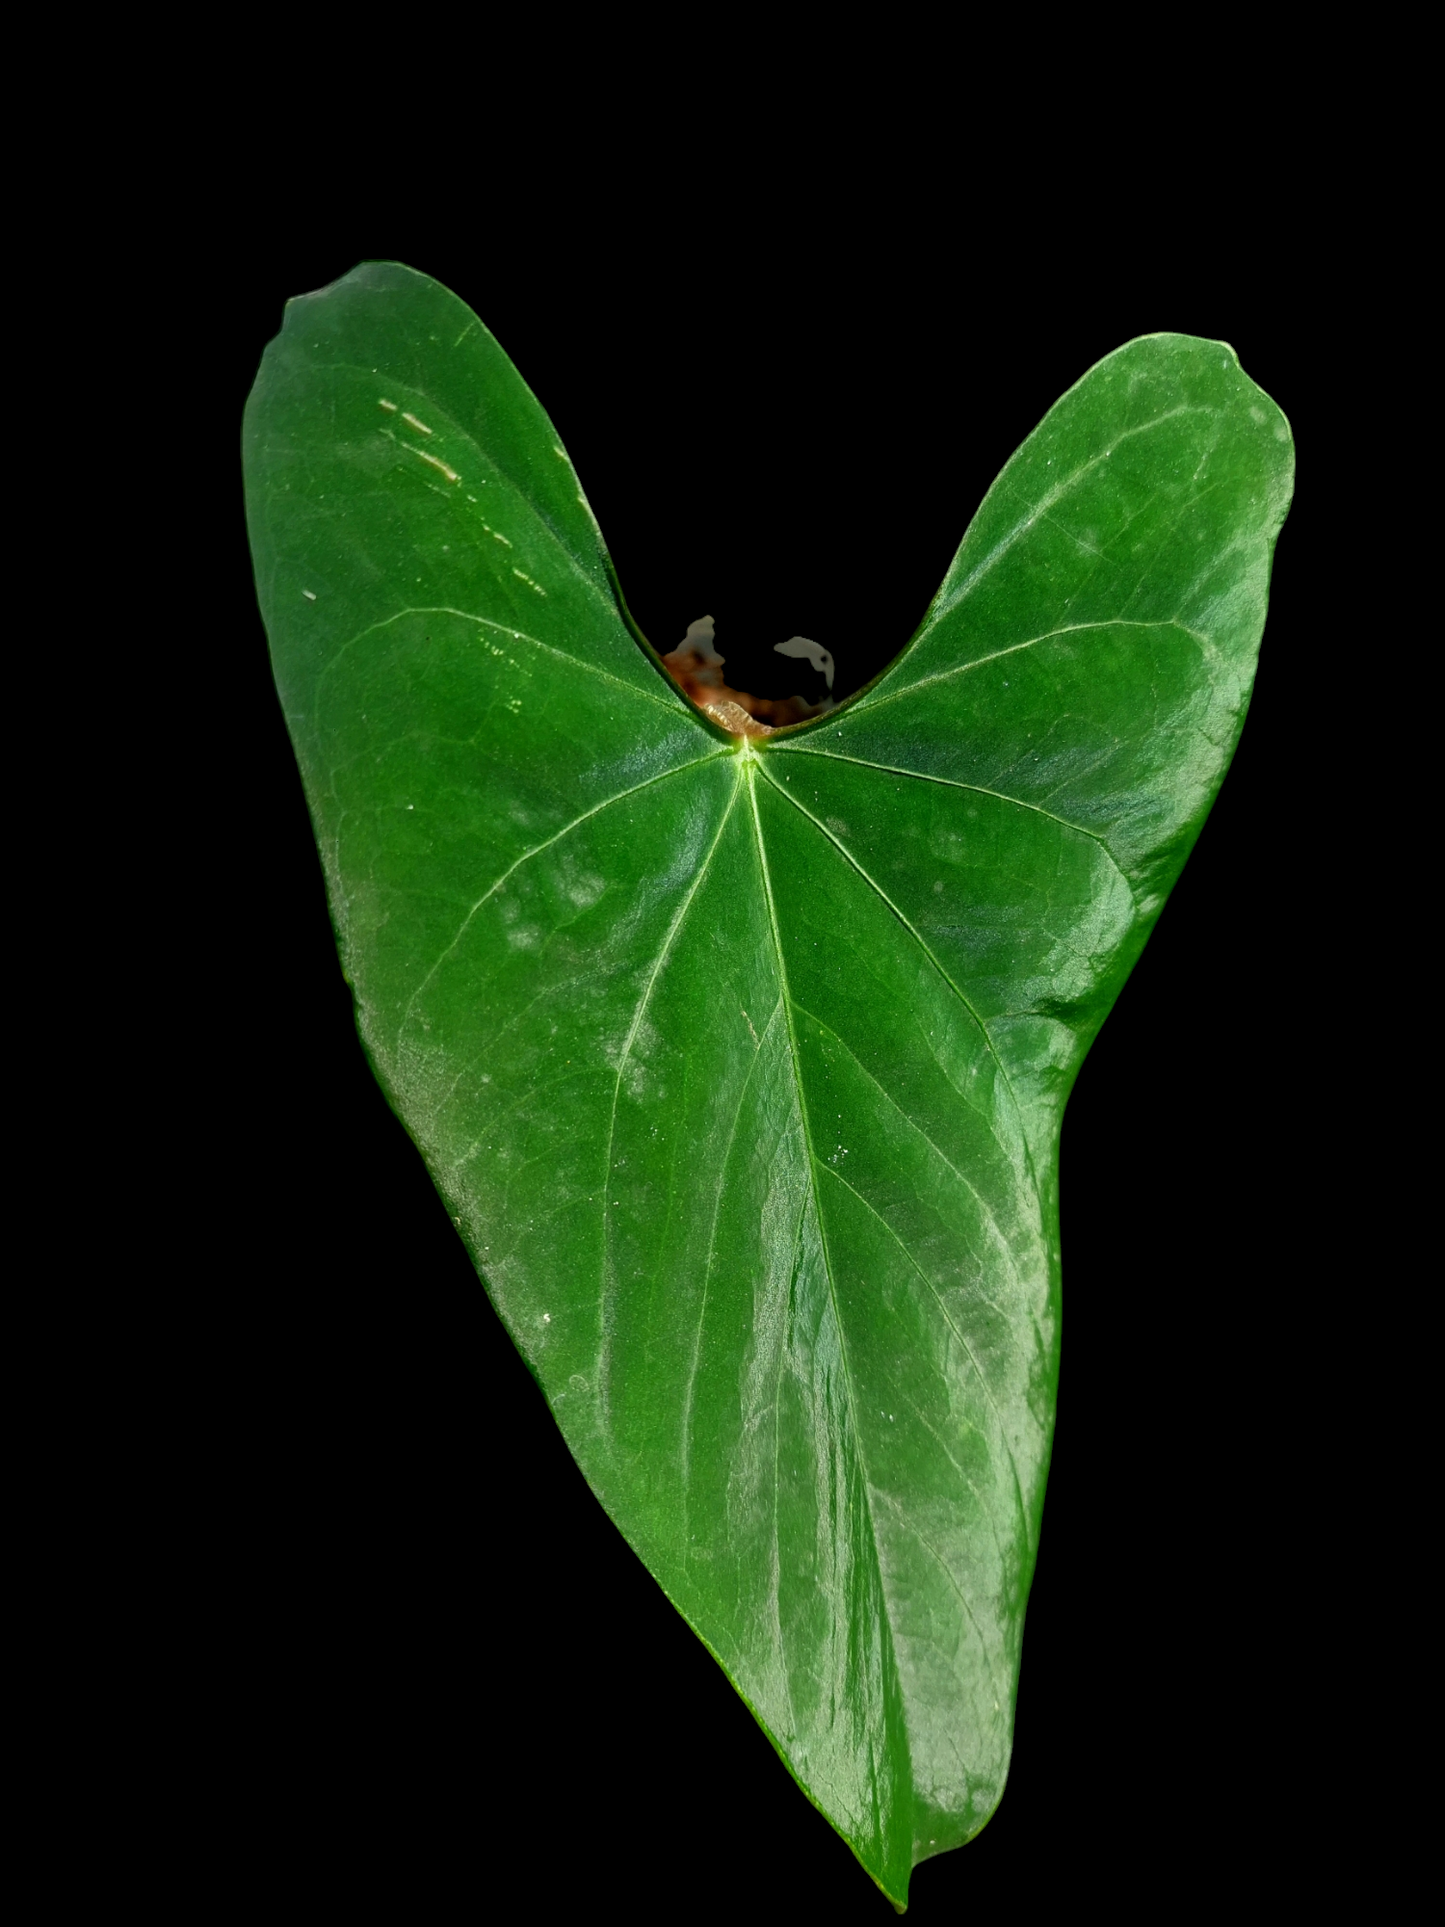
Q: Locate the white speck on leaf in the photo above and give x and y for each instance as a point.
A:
(450, 473)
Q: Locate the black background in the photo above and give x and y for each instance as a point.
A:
(420, 1667)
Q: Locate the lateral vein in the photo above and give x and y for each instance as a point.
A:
(536, 850)
(974, 789)
(801, 1101)
(604, 1290)
(884, 897)
(968, 1349)
(868, 705)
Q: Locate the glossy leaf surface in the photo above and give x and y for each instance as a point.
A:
(741, 1065)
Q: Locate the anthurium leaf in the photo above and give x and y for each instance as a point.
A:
(740, 1062)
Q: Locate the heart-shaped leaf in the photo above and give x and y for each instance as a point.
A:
(740, 1059)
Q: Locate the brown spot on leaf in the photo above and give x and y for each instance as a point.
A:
(696, 667)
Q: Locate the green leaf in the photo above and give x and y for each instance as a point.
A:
(741, 1063)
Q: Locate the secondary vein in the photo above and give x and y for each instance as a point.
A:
(678, 709)
(974, 789)
(968, 1349)
(806, 1130)
(884, 897)
(536, 850)
(867, 705)
(690, 1387)
(1056, 494)
(604, 1286)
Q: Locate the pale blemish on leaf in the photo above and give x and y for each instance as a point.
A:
(437, 463)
